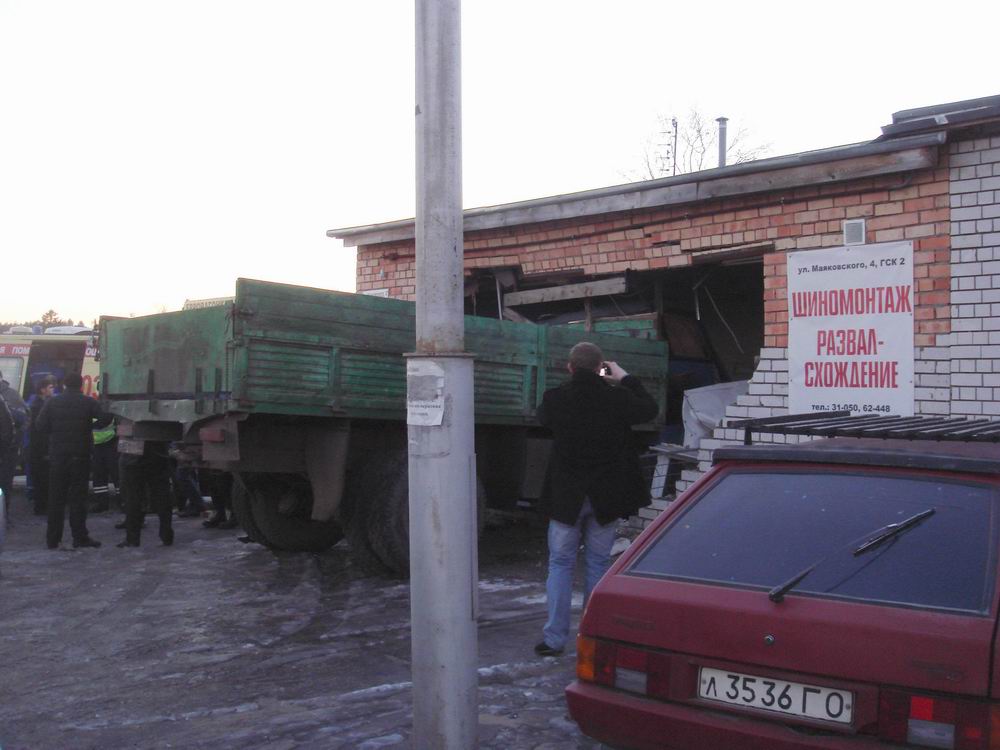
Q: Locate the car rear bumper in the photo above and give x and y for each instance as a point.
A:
(631, 722)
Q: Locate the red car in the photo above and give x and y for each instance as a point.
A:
(840, 593)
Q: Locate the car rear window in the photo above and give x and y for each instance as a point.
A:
(760, 528)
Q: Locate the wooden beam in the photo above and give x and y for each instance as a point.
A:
(615, 285)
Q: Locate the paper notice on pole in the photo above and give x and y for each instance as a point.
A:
(850, 329)
(424, 393)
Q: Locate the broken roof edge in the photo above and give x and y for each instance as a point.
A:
(728, 181)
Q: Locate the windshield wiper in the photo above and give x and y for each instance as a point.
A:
(893, 529)
(872, 540)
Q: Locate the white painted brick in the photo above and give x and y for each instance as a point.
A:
(939, 353)
(966, 324)
(965, 160)
(966, 186)
(966, 407)
(966, 379)
(708, 444)
(932, 407)
(970, 240)
(969, 297)
(932, 394)
(966, 352)
(772, 353)
(936, 381)
(964, 214)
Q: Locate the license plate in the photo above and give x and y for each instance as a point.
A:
(780, 696)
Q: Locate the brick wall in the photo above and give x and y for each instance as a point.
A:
(916, 207)
(974, 354)
(913, 207)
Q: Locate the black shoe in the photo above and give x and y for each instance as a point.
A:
(544, 649)
(216, 520)
(126, 543)
(50, 545)
(88, 542)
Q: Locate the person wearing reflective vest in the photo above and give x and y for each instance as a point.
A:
(104, 467)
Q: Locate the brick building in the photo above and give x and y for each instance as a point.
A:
(705, 255)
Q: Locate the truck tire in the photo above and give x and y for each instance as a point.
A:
(354, 516)
(281, 505)
(388, 519)
(243, 511)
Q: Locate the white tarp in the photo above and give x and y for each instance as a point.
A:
(704, 408)
(850, 329)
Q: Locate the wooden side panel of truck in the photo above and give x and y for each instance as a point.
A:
(301, 393)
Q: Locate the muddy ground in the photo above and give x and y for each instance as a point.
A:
(213, 643)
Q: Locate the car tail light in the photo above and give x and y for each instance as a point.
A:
(595, 661)
(933, 721)
(622, 667)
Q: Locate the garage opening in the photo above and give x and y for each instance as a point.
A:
(710, 313)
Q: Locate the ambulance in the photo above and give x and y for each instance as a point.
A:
(26, 358)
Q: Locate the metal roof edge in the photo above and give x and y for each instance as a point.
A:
(689, 188)
(948, 108)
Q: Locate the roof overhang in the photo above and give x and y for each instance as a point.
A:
(826, 166)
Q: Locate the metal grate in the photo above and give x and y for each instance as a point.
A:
(842, 424)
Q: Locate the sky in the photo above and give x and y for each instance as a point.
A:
(152, 152)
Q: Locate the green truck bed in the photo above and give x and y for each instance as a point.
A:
(282, 349)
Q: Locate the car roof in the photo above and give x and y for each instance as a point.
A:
(942, 455)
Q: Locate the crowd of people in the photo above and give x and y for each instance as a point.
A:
(67, 447)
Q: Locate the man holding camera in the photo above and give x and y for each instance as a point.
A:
(595, 475)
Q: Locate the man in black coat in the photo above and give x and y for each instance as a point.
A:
(146, 477)
(594, 475)
(11, 453)
(66, 422)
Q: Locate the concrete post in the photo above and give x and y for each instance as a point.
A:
(443, 559)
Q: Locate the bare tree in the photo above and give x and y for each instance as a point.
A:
(697, 143)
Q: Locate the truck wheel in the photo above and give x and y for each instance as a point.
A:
(354, 515)
(243, 511)
(389, 512)
(281, 506)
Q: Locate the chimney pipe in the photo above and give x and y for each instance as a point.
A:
(722, 139)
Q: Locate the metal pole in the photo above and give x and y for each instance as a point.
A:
(443, 558)
(722, 139)
(673, 122)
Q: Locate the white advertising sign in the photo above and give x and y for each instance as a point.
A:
(850, 329)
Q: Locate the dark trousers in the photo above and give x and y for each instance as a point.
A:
(39, 468)
(68, 477)
(106, 464)
(187, 490)
(8, 461)
(145, 477)
(220, 487)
